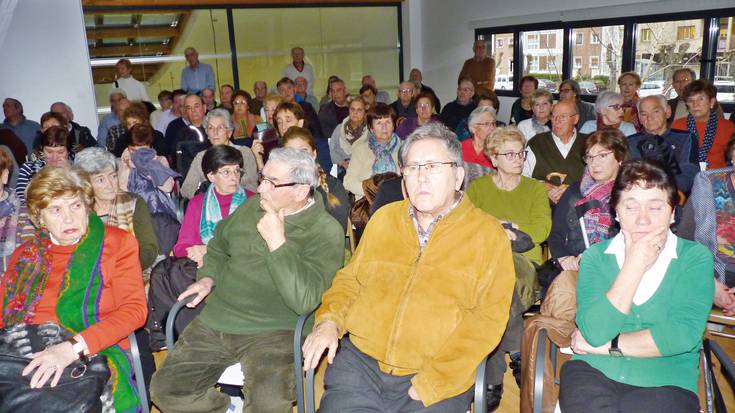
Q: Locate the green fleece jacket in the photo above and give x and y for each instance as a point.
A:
(257, 291)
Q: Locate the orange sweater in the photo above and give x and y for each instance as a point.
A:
(122, 307)
(716, 155)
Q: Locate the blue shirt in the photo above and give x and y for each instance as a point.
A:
(193, 81)
(26, 130)
(107, 122)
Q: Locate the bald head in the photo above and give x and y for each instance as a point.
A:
(653, 112)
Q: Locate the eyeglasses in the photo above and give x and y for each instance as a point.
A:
(601, 156)
(220, 128)
(405, 90)
(616, 106)
(563, 116)
(226, 173)
(431, 167)
(272, 184)
(239, 102)
(565, 90)
(486, 124)
(513, 155)
(424, 106)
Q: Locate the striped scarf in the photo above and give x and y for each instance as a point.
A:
(383, 154)
(597, 221)
(212, 214)
(121, 212)
(709, 134)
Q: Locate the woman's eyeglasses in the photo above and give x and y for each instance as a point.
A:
(601, 156)
(226, 173)
(513, 155)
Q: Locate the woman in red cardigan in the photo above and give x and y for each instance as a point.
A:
(78, 274)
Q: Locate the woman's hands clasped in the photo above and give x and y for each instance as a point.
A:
(50, 364)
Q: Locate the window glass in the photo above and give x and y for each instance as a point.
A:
(542, 56)
(725, 64)
(502, 53)
(663, 47)
(598, 60)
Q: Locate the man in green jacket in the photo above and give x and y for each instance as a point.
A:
(268, 262)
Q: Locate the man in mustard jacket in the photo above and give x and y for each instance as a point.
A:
(425, 297)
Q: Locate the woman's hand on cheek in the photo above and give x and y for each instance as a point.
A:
(642, 253)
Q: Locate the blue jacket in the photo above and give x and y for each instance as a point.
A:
(684, 148)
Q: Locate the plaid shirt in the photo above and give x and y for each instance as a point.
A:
(424, 235)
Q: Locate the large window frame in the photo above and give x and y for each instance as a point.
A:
(709, 42)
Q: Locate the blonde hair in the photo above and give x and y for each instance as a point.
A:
(273, 98)
(55, 182)
(500, 136)
(295, 132)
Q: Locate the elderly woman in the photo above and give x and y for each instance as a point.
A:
(48, 120)
(425, 113)
(521, 204)
(522, 108)
(353, 128)
(378, 153)
(570, 91)
(484, 99)
(118, 208)
(9, 209)
(481, 123)
(708, 218)
(629, 84)
(604, 151)
(609, 107)
(136, 114)
(218, 124)
(222, 165)
(54, 152)
(643, 298)
(335, 198)
(77, 283)
(712, 132)
(541, 101)
(245, 122)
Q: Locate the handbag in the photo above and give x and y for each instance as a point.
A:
(79, 389)
(546, 273)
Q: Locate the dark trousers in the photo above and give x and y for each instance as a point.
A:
(510, 342)
(354, 383)
(585, 389)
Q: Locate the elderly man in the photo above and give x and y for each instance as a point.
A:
(197, 75)
(417, 77)
(675, 149)
(225, 97)
(268, 262)
(459, 109)
(260, 90)
(117, 134)
(678, 106)
(336, 110)
(207, 95)
(416, 315)
(16, 122)
(555, 157)
(301, 92)
(404, 106)
(480, 68)
(134, 89)
(110, 119)
(298, 67)
(380, 95)
(173, 113)
(193, 131)
(80, 137)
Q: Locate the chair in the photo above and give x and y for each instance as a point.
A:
(138, 371)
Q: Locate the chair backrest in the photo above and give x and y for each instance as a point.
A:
(138, 371)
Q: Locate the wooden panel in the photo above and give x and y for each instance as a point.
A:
(199, 3)
(106, 74)
(137, 50)
(131, 32)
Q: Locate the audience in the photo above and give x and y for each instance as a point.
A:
(570, 91)
(522, 108)
(463, 129)
(196, 76)
(353, 128)
(245, 122)
(54, 152)
(541, 101)
(380, 95)
(609, 108)
(480, 69)
(80, 136)
(116, 135)
(260, 91)
(369, 93)
(226, 92)
(335, 111)
(630, 84)
(678, 105)
(482, 122)
(9, 210)
(298, 67)
(377, 154)
(16, 122)
(404, 106)
(417, 77)
(301, 92)
(425, 113)
(188, 135)
(207, 95)
(166, 101)
(175, 111)
(111, 119)
(134, 89)
(457, 110)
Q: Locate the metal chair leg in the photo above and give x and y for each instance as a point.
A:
(481, 387)
(138, 371)
(538, 382)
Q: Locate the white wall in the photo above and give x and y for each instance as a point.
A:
(443, 40)
(45, 59)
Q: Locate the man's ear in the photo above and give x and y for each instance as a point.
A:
(460, 178)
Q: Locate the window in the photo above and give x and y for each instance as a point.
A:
(500, 42)
(503, 56)
(543, 55)
(685, 32)
(547, 40)
(604, 57)
(645, 35)
(579, 39)
(531, 42)
(725, 62)
(595, 39)
(594, 62)
(577, 63)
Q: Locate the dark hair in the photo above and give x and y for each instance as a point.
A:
(332, 78)
(227, 85)
(292, 107)
(219, 156)
(167, 94)
(381, 111)
(284, 80)
(55, 136)
(428, 96)
(610, 139)
(369, 87)
(465, 79)
(647, 174)
(53, 115)
(700, 86)
(488, 95)
(179, 92)
(141, 135)
(728, 149)
(530, 78)
(136, 110)
(245, 95)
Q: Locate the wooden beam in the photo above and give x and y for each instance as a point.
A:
(141, 72)
(131, 32)
(200, 3)
(128, 51)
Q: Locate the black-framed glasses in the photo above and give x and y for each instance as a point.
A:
(431, 167)
(513, 155)
(271, 183)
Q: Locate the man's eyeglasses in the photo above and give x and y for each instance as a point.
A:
(226, 173)
(601, 156)
(431, 167)
(272, 184)
(405, 90)
(513, 155)
(563, 116)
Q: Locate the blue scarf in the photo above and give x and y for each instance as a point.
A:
(383, 154)
(709, 134)
(211, 213)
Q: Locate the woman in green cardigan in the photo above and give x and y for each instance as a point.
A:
(643, 299)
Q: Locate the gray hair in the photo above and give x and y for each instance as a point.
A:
(219, 113)
(574, 85)
(433, 130)
(475, 115)
(604, 99)
(662, 101)
(117, 91)
(94, 160)
(691, 72)
(303, 167)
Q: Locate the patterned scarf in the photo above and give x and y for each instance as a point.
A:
(121, 212)
(724, 217)
(211, 213)
(383, 154)
(538, 127)
(351, 135)
(77, 307)
(597, 221)
(709, 134)
(630, 112)
(601, 124)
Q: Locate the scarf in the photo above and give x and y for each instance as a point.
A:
(211, 213)
(9, 208)
(77, 307)
(724, 212)
(383, 154)
(601, 124)
(630, 112)
(538, 127)
(351, 135)
(597, 221)
(709, 134)
(121, 212)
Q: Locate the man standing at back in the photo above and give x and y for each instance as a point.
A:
(134, 89)
(197, 75)
(480, 68)
(298, 67)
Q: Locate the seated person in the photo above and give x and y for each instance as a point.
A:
(570, 92)
(457, 110)
(378, 153)
(522, 108)
(407, 279)
(482, 122)
(335, 198)
(245, 122)
(675, 149)
(222, 165)
(485, 99)
(9, 210)
(54, 152)
(707, 219)
(629, 84)
(218, 124)
(521, 205)
(541, 101)
(71, 247)
(353, 128)
(270, 261)
(643, 298)
(425, 113)
(609, 107)
(137, 114)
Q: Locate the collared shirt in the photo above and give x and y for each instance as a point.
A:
(563, 148)
(106, 123)
(26, 130)
(425, 234)
(652, 278)
(194, 80)
(166, 117)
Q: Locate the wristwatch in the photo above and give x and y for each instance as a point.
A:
(78, 348)
(614, 350)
